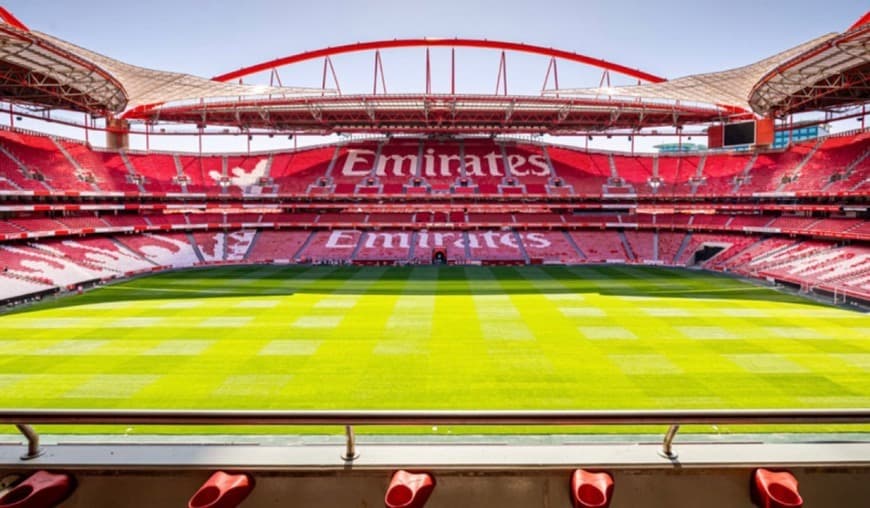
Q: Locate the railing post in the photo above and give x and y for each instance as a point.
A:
(667, 445)
(33, 449)
(350, 444)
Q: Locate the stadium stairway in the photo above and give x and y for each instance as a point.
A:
(683, 246)
(625, 245)
(795, 173)
(252, 245)
(521, 246)
(577, 248)
(196, 248)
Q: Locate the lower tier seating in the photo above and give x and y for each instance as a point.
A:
(29, 266)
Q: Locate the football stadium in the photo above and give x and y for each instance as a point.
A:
(235, 291)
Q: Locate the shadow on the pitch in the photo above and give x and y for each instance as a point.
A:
(270, 281)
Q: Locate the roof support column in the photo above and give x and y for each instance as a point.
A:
(118, 134)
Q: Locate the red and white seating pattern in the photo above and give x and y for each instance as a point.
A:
(277, 246)
(68, 262)
(210, 245)
(238, 243)
(173, 249)
(764, 247)
(71, 166)
(46, 266)
(336, 245)
(385, 245)
(494, 246)
(12, 286)
(97, 253)
(787, 255)
(453, 243)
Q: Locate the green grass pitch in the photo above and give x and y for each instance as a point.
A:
(551, 337)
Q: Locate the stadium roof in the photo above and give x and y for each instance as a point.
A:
(38, 69)
(832, 74)
(827, 72)
(731, 87)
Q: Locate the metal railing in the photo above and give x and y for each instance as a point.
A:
(24, 418)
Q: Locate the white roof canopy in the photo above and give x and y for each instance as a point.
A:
(726, 88)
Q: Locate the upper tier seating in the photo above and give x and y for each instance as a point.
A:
(10, 228)
(249, 174)
(157, 171)
(676, 174)
(168, 219)
(527, 165)
(195, 172)
(584, 172)
(43, 158)
(832, 157)
(538, 218)
(755, 221)
(125, 220)
(37, 224)
(770, 169)
(83, 222)
(105, 170)
(294, 172)
(635, 171)
(396, 166)
(484, 165)
(720, 173)
(715, 220)
(855, 179)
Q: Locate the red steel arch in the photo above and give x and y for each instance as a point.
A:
(9, 18)
(450, 43)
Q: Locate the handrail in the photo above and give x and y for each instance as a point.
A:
(23, 418)
(428, 417)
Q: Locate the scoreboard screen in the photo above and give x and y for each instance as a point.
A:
(742, 133)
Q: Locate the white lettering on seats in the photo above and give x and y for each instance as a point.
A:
(356, 156)
(337, 236)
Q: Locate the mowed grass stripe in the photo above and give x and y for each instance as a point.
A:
(539, 337)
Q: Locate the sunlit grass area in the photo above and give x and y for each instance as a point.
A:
(551, 337)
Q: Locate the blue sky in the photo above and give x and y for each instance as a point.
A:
(668, 38)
